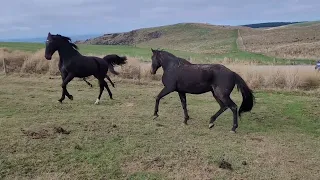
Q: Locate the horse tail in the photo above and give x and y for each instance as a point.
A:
(113, 60)
(247, 95)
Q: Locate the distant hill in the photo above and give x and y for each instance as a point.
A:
(270, 24)
(43, 39)
(300, 40)
(193, 37)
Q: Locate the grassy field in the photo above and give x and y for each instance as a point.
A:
(118, 139)
(144, 54)
(296, 41)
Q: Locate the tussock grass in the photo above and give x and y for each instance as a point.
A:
(296, 77)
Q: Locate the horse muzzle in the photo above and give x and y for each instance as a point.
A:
(48, 57)
(152, 72)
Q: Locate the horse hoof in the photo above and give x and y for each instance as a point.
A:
(97, 102)
(71, 97)
(60, 101)
(155, 117)
(185, 123)
(211, 125)
(233, 132)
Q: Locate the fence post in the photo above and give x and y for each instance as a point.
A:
(4, 66)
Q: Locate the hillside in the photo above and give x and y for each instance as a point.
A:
(192, 37)
(300, 40)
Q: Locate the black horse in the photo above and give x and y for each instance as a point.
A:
(76, 65)
(84, 79)
(184, 77)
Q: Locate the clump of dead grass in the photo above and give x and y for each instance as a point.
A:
(257, 76)
(279, 77)
(14, 59)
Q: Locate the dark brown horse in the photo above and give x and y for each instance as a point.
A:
(184, 77)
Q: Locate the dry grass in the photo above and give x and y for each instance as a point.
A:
(286, 42)
(25, 62)
(257, 76)
(118, 139)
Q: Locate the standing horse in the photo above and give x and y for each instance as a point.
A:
(184, 77)
(76, 65)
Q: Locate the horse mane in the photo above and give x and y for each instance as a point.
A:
(166, 54)
(68, 39)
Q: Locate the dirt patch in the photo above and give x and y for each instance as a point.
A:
(225, 165)
(44, 132)
(256, 139)
(188, 168)
(60, 130)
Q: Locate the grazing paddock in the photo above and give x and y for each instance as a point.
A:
(43, 139)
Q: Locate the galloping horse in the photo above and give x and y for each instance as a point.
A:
(184, 77)
(76, 65)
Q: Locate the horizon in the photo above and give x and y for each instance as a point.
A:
(76, 37)
(30, 19)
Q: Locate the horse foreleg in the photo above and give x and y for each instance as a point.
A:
(64, 88)
(183, 99)
(165, 91)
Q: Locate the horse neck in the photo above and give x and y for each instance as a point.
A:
(168, 63)
(66, 52)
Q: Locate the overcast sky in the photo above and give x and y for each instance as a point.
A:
(35, 18)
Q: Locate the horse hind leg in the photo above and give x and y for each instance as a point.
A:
(110, 80)
(223, 108)
(234, 109)
(108, 89)
(101, 84)
(225, 102)
(85, 80)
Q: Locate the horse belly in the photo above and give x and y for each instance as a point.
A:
(84, 70)
(194, 88)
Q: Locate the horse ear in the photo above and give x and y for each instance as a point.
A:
(153, 51)
(49, 34)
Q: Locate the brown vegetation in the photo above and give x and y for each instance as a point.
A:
(257, 76)
(285, 42)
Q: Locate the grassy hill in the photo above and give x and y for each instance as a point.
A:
(300, 40)
(192, 37)
(290, 44)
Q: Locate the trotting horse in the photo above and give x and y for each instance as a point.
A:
(76, 65)
(184, 77)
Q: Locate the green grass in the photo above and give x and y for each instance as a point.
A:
(118, 139)
(236, 53)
